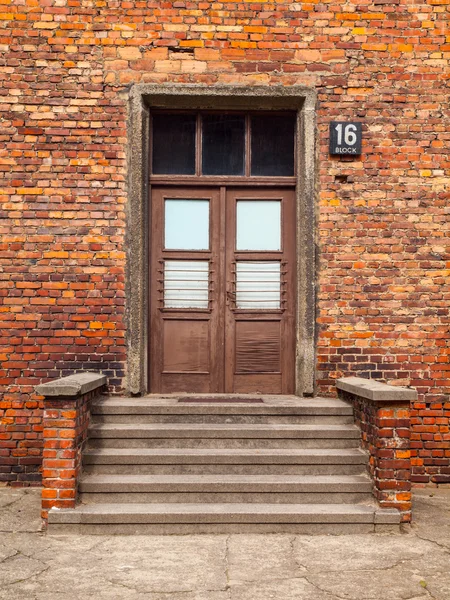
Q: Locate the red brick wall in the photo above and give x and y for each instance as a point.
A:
(383, 287)
(385, 435)
(65, 431)
(430, 442)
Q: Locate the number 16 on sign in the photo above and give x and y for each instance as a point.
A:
(345, 138)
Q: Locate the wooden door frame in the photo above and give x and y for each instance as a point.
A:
(142, 98)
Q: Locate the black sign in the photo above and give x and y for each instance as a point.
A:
(345, 138)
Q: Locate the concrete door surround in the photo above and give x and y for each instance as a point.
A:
(142, 98)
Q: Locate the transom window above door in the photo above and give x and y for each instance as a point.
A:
(223, 144)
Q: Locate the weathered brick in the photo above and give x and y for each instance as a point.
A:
(390, 462)
(383, 283)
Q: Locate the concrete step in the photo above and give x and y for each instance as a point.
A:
(223, 435)
(179, 404)
(232, 461)
(135, 519)
(178, 464)
(225, 418)
(225, 488)
(233, 469)
(268, 409)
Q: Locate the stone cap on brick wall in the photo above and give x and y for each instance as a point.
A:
(375, 390)
(73, 385)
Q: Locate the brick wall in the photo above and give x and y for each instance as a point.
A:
(383, 288)
(66, 418)
(384, 417)
(430, 442)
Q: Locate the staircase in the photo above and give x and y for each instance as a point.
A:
(223, 464)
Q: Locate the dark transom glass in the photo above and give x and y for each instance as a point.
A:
(223, 145)
(173, 151)
(272, 145)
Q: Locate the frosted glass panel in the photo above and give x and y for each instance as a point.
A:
(258, 285)
(186, 225)
(258, 225)
(186, 284)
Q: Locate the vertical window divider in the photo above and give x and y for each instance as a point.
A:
(150, 142)
(198, 144)
(247, 145)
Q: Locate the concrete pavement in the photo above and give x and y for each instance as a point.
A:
(405, 566)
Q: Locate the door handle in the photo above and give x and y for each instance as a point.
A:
(231, 296)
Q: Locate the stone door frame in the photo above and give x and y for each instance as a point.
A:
(142, 98)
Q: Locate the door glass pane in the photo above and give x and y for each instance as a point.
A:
(186, 224)
(186, 284)
(223, 145)
(173, 151)
(258, 225)
(272, 145)
(258, 285)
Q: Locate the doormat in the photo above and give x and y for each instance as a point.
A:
(208, 400)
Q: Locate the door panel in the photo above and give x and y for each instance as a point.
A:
(186, 346)
(260, 266)
(186, 292)
(222, 290)
(257, 347)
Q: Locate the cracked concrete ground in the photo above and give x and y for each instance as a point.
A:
(404, 566)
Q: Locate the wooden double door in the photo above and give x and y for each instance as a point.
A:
(222, 290)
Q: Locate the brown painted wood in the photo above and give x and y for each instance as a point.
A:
(227, 180)
(222, 348)
(260, 344)
(183, 342)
